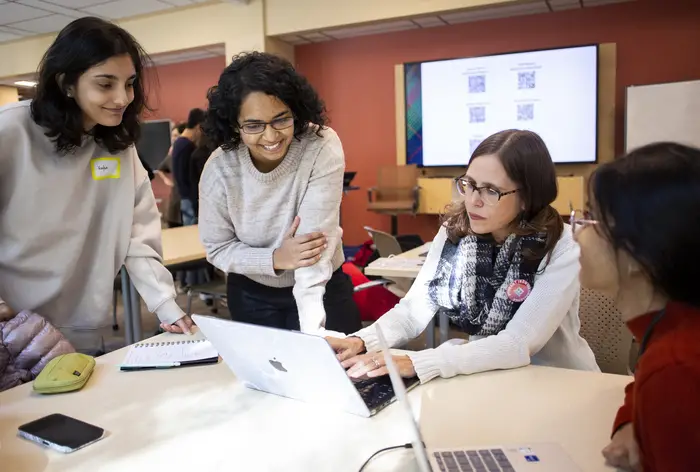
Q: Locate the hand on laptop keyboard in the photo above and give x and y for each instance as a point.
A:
(373, 365)
(347, 347)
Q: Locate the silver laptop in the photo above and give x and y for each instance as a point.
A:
(519, 458)
(294, 365)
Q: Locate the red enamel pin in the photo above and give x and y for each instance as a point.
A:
(518, 290)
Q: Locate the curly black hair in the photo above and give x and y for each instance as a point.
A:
(85, 43)
(269, 74)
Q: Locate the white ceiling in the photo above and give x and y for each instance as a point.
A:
(525, 8)
(189, 55)
(22, 18)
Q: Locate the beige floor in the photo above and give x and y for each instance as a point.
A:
(150, 323)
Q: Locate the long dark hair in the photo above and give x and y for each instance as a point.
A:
(648, 205)
(83, 44)
(527, 162)
(271, 75)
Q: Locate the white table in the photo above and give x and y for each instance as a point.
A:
(530, 405)
(201, 418)
(382, 268)
(193, 419)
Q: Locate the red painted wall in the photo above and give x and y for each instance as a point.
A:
(183, 86)
(173, 91)
(657, 41)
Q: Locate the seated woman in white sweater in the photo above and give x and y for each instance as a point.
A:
(503, 267)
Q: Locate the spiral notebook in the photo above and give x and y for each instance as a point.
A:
(167, 354)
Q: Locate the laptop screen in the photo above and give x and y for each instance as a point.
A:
(402, 399)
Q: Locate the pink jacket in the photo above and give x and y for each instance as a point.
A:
(27, 343)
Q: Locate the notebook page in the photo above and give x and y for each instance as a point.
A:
(168, 352)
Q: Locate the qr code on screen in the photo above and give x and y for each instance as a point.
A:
(526, 112)
(526, 80)
(477, 114)
(473, 144)
(477, 84)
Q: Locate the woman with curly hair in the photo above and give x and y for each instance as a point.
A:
(503, 267)
(269, 199)
(75, 202)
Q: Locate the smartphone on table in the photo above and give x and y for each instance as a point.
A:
(61, 433)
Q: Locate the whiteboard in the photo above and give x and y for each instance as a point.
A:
(663, 112)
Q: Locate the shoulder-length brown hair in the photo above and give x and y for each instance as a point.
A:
(527, 162)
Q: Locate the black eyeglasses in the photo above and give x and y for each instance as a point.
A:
(259, 126)
(489, 195)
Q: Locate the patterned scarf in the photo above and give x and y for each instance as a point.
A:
(473, 278)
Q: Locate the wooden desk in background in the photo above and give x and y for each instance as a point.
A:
(436, 193)
(203, 418)
(181, 246)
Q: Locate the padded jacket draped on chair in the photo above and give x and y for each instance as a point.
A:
(27, 343)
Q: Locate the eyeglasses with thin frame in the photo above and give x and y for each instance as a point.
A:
(489, 195)
(580, 219)
(258, 127)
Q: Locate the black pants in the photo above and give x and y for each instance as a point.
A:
(251, 302)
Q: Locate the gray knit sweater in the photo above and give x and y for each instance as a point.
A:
(244, 214)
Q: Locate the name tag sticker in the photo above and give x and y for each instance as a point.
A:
(105, 168)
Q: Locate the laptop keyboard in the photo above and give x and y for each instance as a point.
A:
(378, 392)
(484, 460)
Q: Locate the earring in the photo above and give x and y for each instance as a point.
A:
(69, 94)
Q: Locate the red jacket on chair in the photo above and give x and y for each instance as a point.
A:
(364, 254)
(372, 302)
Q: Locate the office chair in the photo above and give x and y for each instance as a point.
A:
(216, 289)
(387, 245)
(602, 327)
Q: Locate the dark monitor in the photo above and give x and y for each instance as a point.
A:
(347, 178)
(154, 143)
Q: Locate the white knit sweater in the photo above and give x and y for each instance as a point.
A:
(544, 330)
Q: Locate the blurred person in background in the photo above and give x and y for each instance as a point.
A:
(173, 214)
(183, 147)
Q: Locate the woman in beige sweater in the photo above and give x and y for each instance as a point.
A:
(75, 202)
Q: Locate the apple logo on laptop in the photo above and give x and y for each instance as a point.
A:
(277, 365)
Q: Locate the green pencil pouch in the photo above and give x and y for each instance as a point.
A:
(65, 373)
